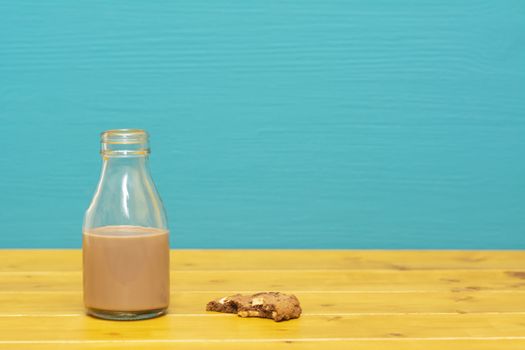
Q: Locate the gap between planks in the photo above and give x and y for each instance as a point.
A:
(304, 314)
(52, 272)
(265, 340)
(406, 291)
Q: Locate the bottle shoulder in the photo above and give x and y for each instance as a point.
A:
(126, 195)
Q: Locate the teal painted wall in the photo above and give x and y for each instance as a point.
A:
(319, 124)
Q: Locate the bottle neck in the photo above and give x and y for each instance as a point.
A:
(125, 169)
(124, 161)
(124, 151)
(128, 167)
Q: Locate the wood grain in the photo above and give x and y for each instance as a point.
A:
(351, 299)
(391, 344)
(239, 260)
(312, 281)
(233, 327)
(38, 303)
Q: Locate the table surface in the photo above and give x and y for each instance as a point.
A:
(351, 299)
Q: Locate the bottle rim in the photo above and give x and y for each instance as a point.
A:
(124, 136)
(124, 143)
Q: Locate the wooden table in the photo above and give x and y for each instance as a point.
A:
(351, 300)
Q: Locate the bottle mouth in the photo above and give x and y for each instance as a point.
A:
(124, 136)
(124, 143)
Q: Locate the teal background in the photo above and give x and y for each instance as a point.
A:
(288, 124)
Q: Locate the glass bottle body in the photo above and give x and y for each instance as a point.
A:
(125, 235)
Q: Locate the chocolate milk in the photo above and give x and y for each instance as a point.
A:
(126, 268)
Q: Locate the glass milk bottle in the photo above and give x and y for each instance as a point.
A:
(125, 234)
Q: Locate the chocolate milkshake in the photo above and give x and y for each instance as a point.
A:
(126, 269)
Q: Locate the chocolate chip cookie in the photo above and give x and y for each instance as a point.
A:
(274, 305)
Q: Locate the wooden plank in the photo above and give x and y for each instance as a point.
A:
(390, 344)
(329, 280)
(36, 303)
(228, 328)
(380, 305)
(71, 260)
